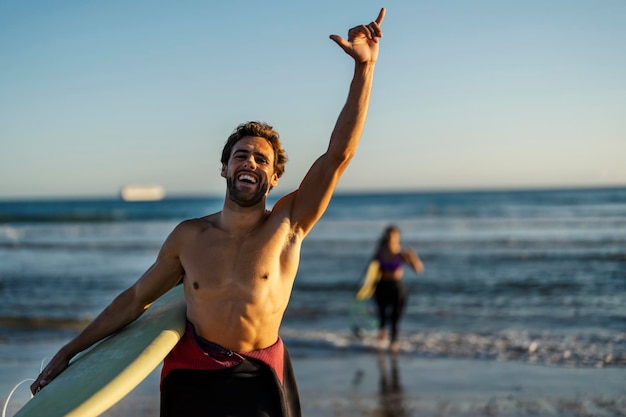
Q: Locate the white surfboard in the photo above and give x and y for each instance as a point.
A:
(101, 376)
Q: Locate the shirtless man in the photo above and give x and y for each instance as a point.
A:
(239, 264)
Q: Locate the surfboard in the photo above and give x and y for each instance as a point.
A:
(101, 376)
(362, 318)
(372, 275)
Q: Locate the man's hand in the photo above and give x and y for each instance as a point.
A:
(54, 368)
(362, 43)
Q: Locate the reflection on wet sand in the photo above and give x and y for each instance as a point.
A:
(391, 396)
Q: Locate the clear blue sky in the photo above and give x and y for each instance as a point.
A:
(468, 94)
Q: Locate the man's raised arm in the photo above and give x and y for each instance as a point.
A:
(312, 197)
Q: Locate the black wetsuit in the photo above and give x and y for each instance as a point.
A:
(390, 296)
(249, 388)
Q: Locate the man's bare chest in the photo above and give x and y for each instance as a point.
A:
(220, 259)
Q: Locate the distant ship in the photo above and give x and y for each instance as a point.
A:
(142, 193)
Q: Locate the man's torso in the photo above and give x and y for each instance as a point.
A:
(237, 286)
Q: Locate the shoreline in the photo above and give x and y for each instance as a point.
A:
(440, 387)
(380, 384)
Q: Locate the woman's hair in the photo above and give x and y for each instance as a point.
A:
(262, 130)
(384, 239)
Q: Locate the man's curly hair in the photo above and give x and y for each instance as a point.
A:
(262, 130)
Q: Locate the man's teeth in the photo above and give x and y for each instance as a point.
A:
(247, 178)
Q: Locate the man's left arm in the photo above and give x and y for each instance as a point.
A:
(314, 194)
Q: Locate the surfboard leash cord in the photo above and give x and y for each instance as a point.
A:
(6, 403)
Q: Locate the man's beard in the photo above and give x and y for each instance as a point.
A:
(246, 199)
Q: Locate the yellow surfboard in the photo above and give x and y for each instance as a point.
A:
(101, 376)
(372, 275)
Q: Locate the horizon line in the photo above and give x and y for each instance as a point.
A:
(340, 192)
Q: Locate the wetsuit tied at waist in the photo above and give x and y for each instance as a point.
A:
(197, 353)
(202, 378)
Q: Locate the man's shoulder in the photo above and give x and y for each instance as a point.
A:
(196, 224)
(286, 212)
(283, 205)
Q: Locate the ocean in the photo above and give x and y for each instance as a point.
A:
(522, 276)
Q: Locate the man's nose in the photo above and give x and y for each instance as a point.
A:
(250, 162)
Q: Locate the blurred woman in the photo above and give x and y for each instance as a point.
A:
(390, 294)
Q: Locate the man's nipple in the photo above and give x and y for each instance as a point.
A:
(196, 285)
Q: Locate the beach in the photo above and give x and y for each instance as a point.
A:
(372, 386)
(385, 385)
(368, 385)
(519, 312)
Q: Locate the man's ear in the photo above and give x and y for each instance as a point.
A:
(274, 180)
(223, 173)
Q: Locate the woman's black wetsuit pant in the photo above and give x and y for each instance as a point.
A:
(390, 299)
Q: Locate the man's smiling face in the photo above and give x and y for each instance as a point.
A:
(250, 171)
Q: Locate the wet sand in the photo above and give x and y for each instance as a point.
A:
(381, 385)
